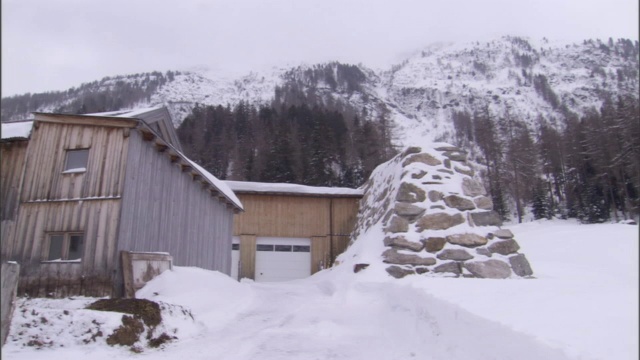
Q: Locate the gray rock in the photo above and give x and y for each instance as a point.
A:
(419, 175)
(484, 251)
(431, 183)
(471, 187)
(359, 267)
(421, 158)
(435, 196)
(434, 244)
(398, 224)
(437, 207)
(454, 254)
(398, 272)
(447, 163)
(456, 155)
(460, 203)
(421, 270)
(503, 234)
(468, 172)
(408, 211)
(438, 221)
(392, 256)
(450, 267)
(520, 265)
(486, 218)
(402, 243)
(447, 148)
(388, 216)
(410, 193)
(467, 239)
(445, 171)
(484, 203)
(436, 177)
(504, 247)
(411, 150)
(488, 269)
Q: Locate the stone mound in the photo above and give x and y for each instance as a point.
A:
(437, 219)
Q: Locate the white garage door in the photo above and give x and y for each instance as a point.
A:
(281, 259)
(235, 257)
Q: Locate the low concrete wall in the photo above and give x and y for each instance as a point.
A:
(140, 267)
(9, 283)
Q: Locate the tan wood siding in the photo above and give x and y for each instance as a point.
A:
(328, 221)
(44, 178)
(283, 216)
(165, 210)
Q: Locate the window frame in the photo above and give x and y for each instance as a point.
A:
(75, 170)
(66, 247)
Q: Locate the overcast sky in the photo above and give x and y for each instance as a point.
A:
(57, 44)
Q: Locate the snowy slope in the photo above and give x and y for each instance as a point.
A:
(421, 92)
(583, 304)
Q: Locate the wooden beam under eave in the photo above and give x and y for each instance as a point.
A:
(185, 167)
(173, 157)
(147, 135)
(161, 147)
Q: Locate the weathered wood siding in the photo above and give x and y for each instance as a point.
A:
(44, 178)
(50, 201)
(13, 160)
(93, 275)
(164, 209)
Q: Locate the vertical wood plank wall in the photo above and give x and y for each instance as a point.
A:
(43, 179)
(11, 172)
(295, 216)
(164, 210)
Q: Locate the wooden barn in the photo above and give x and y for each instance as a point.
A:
(290, 231)
(77, 190)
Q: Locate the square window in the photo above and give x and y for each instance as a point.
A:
(55, 247)
(76, 160)
(65, 247)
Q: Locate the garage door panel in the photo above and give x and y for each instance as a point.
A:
(281, 259)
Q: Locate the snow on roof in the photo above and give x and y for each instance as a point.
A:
(217, 182)
(16, 130)
(257, 187)
(131, 113)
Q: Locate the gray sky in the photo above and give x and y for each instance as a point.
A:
(57, 44)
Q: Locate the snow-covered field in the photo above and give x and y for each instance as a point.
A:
(583, 304)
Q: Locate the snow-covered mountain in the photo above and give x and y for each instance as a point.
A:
(529, 79)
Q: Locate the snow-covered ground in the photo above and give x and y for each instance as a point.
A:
(583, 304)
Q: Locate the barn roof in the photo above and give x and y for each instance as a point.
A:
(163, 137)
(247, 187)
(20, 130)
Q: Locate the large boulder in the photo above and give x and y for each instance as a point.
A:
(421, 158)
(399, 272)
(438, 221)
(454, 254)
(520, 265)
(410, 193)
(409, 211)
(483, 202)
(392, 256)
(472, 187)
(434, 244)
(504, 247)
(489, 269)
(449, 267)
(467, 239)
(398, 224)
(402, 243)
(486, 218)
(460, 203)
